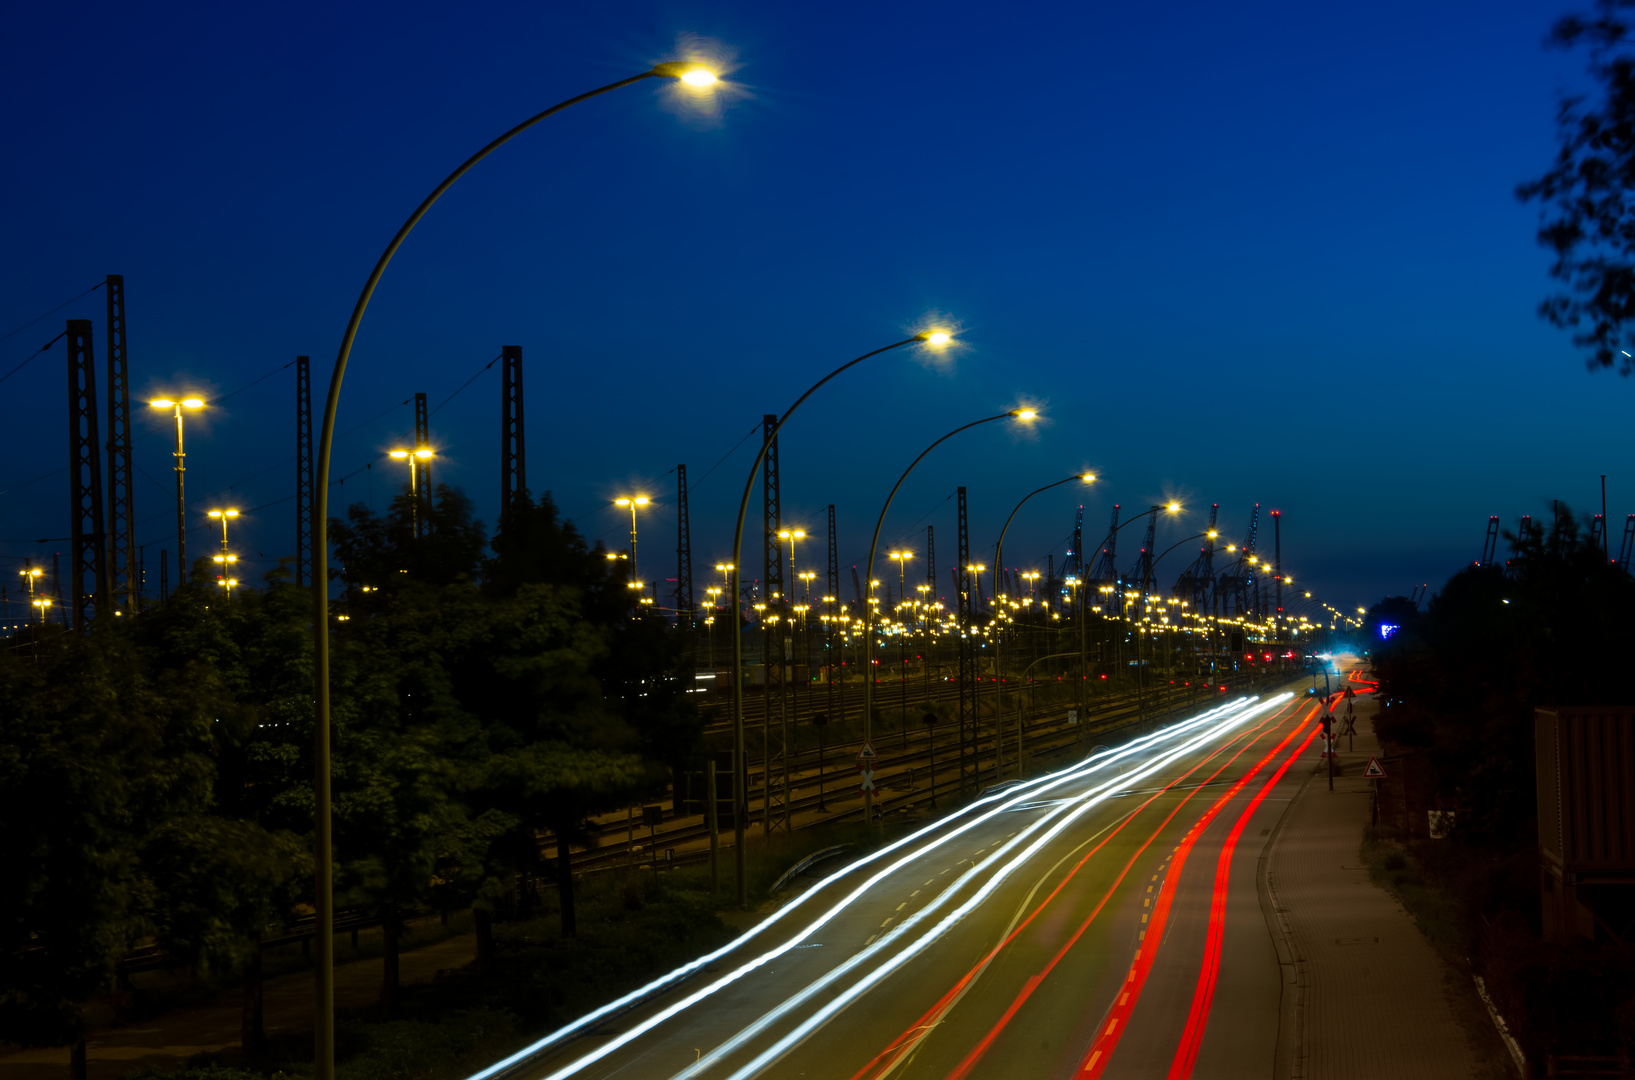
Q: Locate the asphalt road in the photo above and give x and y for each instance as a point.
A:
(1102, 921)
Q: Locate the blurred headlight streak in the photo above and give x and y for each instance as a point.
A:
(1068, 812)
(995, 804)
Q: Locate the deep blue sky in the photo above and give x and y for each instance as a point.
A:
(1264, 252)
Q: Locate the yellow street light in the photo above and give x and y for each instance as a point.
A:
(181, 468)
(225, 516)
(632, 501)
(418, 454)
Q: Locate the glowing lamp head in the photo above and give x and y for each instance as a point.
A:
(423, 453)
(939, 338)
(1024, 414)
(398, 454)
(1088, 477)
(162, 403)
(1173, 507)
(192, 403)
(693, 74)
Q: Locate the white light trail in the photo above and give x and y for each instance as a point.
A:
(1068, 813)
(1013, 796)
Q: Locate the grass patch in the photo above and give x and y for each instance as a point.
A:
(631, 928)
(1393, 866)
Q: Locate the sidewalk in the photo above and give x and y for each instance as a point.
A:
(164, 1041)
(1364, 995)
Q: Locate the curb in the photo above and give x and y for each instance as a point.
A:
(1288, 1060)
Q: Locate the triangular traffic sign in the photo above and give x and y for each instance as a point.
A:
(867, 751)
(1373, 768)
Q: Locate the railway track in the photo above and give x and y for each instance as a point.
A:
(903, 776)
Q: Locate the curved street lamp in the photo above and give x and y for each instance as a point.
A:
(740, 767)
(323, 1048)
(999, 635)
(868, 609)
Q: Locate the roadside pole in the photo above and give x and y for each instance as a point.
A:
(1328, 742)
(715, 826)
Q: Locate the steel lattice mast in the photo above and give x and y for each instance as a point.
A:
(87, 568)
(303, 470)
(513, 452)
(684, 555)
(123, 578)
(771, 599)
(969, 762)
(422, 472)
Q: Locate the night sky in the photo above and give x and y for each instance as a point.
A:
(1252, 253)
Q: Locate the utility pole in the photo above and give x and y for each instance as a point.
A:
(303, 471)
(1277, 568)
(123, 583)
(969, 759)
(684, 560)
(422, 475)
(772, 598)
(88, 567)
(513, 455)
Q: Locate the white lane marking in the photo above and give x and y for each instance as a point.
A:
(1247, 707)
(858, 986)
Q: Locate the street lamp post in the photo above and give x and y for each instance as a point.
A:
(740, 767)
(868, 629)
(30, 575)
(633, 501)
(181, 468)
(999, 635)
(225, 558)
(418, 454)
(786, 663)
(694, 75)
(225, 516)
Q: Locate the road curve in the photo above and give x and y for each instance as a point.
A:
(1098, 921)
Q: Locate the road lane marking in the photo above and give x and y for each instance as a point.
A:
(1220, 717)
(1192, 1036)
(902, 1048)
(1002, 869)
(1172, 882)
(913, 894)
(902, 905)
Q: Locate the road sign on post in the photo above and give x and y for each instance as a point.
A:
(867, 776)
(1374, 770)
(867, 753)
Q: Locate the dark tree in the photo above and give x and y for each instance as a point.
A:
(94, 756)
(1587, 210)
